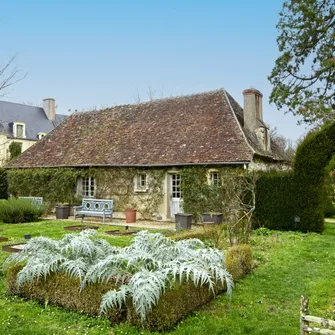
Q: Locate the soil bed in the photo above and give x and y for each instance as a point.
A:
(120, 232)
(79, 228)
(3, 239)
(13, 247)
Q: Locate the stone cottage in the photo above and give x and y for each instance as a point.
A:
(208, 129)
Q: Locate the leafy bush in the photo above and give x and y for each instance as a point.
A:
(141, 272)
(3, 184)
(239, 260)
(19, 210)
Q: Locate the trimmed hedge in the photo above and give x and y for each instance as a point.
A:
(275, 201)
(62, 290)
(284, 198)
(172, 307)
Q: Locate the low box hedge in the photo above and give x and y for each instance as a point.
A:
(62, 290)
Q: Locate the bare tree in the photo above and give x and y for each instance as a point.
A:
(9, 74)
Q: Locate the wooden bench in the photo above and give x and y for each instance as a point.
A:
(34, 200)
(94, 207)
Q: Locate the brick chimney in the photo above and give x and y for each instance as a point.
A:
(253, 117)
(49, 107)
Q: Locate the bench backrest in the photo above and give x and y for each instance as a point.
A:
(34, 200)
(97, 205)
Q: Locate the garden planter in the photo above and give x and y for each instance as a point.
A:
(216, 218)
(63, 212)
(3, 239)
(183, 220)
(80, 228)
(130, 215)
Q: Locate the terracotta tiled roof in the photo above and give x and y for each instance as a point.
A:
(195, 129)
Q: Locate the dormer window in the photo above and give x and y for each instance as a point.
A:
(41, 135)
(19, 130)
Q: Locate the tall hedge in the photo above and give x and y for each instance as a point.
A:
(311, 160)
(275, 201)
(296, 200)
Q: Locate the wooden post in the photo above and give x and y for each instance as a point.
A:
(303, 312)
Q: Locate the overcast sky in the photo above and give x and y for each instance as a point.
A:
(99, 53)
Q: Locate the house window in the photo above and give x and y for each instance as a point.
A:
(214, 178)
(88, 185)
(141, 182)
(176, 186)
(19, 130)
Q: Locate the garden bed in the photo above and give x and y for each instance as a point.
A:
(120, 232)
(62, 290)
(13, 247)
(80, 228)
(3, 239)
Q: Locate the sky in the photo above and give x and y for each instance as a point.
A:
(98, 53)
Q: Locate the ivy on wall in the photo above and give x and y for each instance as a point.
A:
(59, 185)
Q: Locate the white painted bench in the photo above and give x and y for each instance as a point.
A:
(94, 207)
(34, 200)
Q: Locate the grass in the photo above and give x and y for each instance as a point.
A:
(265, 302)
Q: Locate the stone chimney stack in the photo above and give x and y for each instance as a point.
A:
(252, 110)
(253, 117)
(49, 107)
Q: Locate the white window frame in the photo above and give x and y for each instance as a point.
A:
(15, 125)
(87, 183)
(212, 180)
(141, 182)
(41, 135)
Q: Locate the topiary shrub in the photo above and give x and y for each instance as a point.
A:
(296, 200)
(19, 211)
(239, 260)
(312, 157)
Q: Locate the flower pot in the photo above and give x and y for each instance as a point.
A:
(63, 212)
(216, 218)
(130, 215)
(183, 221)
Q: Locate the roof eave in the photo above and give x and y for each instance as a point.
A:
(129, 165)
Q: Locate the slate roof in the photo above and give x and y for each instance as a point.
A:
(195, 129)
(34, 118)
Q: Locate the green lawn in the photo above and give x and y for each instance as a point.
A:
(265, 302)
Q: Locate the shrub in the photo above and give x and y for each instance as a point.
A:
(19, 210)
(239, 260)
(62, 290)
(3, 184)
(275, 201)
(141, 272)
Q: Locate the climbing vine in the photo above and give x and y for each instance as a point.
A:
(59, 185)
